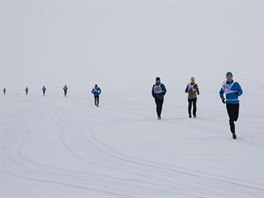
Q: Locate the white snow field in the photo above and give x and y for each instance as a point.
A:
(66, 147)
(56, 147)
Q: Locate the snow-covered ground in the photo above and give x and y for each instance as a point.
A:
(66, 147)
(56, 147)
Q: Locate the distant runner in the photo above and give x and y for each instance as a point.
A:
(44, 90)
(96, 92)
(26, 90)
(65, 89)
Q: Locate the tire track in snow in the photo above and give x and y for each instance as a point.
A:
(37, 173)
(165, 178)
(220, 179)
(15, 163)
(109, 164)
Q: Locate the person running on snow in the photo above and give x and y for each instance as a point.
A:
(26, 90)
(158, 92)
(192, 90)
(96, 92)
(4, 90)
(65, 88)
(232, 91)
(44, 90)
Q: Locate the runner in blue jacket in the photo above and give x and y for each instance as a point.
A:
(232, 91)
(96, 92)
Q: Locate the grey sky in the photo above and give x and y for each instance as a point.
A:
(82, 43)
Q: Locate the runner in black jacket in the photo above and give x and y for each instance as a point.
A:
(158, 92)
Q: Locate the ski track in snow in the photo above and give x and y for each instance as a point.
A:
(117, 174)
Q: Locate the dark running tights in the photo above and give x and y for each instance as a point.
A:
(192, 102)
(159, 104)
(96, 100)
(233, 112)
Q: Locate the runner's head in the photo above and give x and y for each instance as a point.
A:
(192, 79)
(158, 80)
(229, 76)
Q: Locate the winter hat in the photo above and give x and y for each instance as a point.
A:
(192, 79)
(158, 78)
(229, 74)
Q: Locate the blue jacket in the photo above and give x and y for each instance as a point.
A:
(232, 91)
(158, 91)
(96, 91)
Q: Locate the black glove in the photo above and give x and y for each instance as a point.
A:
(223, 100)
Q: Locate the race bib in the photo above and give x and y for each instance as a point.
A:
(157, 89)
(191, 87)
(227, 87)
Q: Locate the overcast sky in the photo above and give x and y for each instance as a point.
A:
(118, 45)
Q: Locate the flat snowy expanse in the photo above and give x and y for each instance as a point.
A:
(56, 147)
(66, 147)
